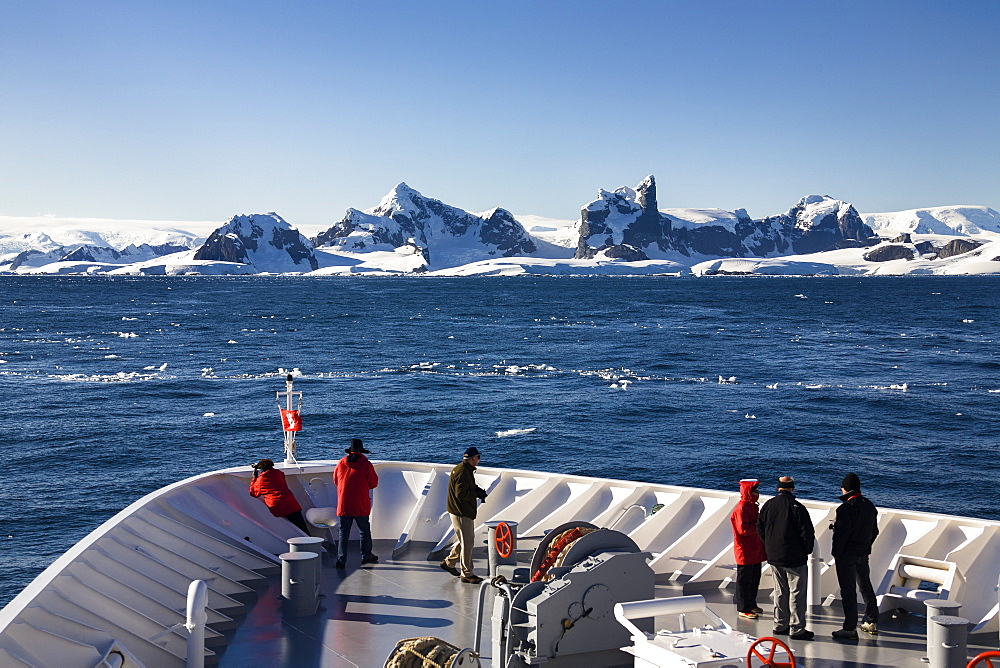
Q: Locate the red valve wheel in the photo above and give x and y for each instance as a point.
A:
(768, 660)
(985, 660)
(504, 540)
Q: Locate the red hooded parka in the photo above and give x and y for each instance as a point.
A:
(354, 477)
(271, 485)
(747, 545)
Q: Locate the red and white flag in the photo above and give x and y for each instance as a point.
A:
(290, 420)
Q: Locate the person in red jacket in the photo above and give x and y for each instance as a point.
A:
(749, 549)
(269, 483)
(355, 477)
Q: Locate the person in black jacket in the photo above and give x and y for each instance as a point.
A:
(854, 531)
(788, 536)
(462, 495)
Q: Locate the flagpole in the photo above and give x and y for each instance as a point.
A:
(290, 395)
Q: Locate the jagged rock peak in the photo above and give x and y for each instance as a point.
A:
(265, 241)
(400, 198)
(449, 236)
(646, 194)
(821, 222)
(624, 217)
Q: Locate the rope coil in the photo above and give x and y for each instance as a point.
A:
(422, 652)
(557, 552)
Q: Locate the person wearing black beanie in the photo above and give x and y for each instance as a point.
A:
(851, 483)
(854, 531)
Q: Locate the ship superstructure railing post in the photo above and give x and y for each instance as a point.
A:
(197, 619)
(813, 594)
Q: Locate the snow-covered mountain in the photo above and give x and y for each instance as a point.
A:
(264, 241)
(627, 224)
(622, 232)
(446, 236)
(943, 220)
(45, 233)
(102, 255)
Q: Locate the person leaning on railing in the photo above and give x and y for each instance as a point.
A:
(269, 484)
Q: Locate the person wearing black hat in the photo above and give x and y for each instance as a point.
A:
(355, 477)
(462, 495)
(788, 534)
(854, 531)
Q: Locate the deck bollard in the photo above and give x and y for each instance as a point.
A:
(310, 544)
(502, 545)
(936, 607)
(299, 589)
(948, 650)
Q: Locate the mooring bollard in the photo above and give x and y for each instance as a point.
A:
(948, 650)
(299, 589)
(936, 607)
(310, 544)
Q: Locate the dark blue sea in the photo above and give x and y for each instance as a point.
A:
(114, 387)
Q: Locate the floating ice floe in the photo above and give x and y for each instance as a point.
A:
(902, 387)
(208, 415)
(422, 366)
(515, 432)
(120, 377)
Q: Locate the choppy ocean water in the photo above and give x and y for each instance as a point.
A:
(112, 388)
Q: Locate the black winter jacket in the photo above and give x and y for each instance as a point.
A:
(463, 491)
(856, 526)
(786, 530)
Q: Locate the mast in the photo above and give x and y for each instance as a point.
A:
(291, 420)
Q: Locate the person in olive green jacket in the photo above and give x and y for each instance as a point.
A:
(463, 493)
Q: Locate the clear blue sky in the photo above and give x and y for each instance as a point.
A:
(177, 110)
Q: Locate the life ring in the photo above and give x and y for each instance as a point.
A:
(775, 644)
(985, 660)
(504, 540)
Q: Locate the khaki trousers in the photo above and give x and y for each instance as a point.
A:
(789, 597)
(462, 550)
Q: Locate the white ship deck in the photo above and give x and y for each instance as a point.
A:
(366, 610)
(122, 588)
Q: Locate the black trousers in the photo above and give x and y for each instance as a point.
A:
(299, 521)
(853, 574)
(747, 584)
